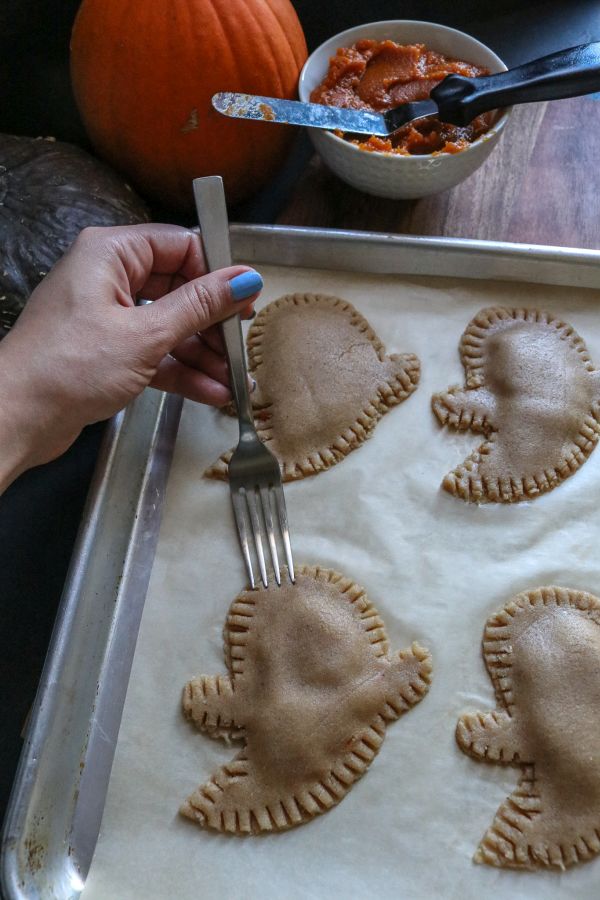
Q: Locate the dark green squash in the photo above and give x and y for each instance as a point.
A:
(49, 192)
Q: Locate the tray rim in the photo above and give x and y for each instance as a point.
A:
(387, 253)
(157, 421)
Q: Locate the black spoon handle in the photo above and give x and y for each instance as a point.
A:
(568, 73)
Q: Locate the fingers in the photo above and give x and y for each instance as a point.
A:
(159, 284)
(199, 304)
(213, 337)
(177, 378)
(143, 252)
(196, 354)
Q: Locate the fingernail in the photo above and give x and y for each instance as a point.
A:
(246, 284)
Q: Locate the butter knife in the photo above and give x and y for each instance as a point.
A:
(456, 99)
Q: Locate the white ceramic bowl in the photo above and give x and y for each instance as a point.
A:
(387, 174)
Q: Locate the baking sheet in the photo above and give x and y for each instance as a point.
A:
(433, 566)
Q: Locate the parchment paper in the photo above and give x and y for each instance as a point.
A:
(435, 568)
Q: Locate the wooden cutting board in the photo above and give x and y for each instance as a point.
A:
(540, 185)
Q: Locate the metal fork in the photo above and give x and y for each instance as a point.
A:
(254, 474)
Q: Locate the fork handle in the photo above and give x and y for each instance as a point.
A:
(214, 226)
(238, 370)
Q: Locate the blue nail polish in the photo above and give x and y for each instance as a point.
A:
(246, 284)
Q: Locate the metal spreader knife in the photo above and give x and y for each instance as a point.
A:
(456, 99)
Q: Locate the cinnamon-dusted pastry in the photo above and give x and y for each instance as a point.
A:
(532, 390)
(323, 382)
(542, 651)
(311, 689)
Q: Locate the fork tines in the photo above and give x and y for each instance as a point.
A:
(256, 505)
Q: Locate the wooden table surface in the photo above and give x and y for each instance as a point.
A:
(540, 185)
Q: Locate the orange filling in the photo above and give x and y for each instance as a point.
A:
(378, 75)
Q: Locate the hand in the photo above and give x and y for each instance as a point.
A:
(81, 349)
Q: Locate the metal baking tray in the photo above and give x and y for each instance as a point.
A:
(56, 806)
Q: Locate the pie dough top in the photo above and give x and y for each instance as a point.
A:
(542, 651)
(311, 689)
(532, 390)
(323, 381)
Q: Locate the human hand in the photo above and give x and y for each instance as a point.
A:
(81, 349)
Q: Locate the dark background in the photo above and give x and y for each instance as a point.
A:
(39, 514)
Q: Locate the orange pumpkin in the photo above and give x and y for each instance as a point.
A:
(143, 73)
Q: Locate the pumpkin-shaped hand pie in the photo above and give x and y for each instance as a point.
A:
(311, 690)
(542, 651)
(532, 390)
(323, 379)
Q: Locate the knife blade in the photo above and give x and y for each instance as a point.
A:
(316, 115)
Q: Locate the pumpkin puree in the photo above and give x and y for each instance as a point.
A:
(378, 75)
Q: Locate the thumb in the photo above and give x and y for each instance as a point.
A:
(200, 303)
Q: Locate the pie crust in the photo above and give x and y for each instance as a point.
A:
(311, 688)
(532, 391)
(323, 382)
(542, 652)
